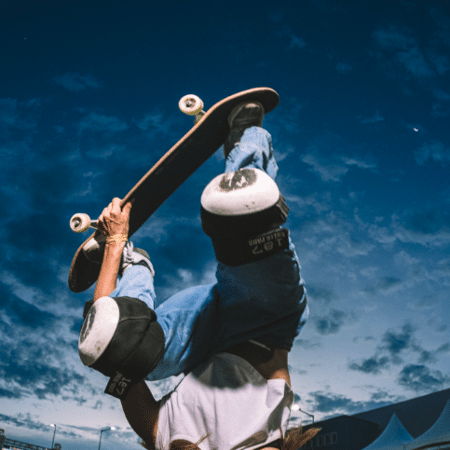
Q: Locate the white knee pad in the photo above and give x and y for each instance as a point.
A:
(121, 339)
(240, 193)
(241, 209)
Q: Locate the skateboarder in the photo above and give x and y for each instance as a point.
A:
(230, 338)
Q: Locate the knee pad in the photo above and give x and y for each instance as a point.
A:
(242, 212)
(121, 339)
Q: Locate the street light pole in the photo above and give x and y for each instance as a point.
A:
(54, 432)
(101, 432)
(296, 407)
(308, 414)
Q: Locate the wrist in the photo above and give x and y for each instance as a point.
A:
(123, 238)
(114, 247)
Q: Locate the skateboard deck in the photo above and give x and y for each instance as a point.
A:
(170, 172)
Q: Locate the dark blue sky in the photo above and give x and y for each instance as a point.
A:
(89, 96)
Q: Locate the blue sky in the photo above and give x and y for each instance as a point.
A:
(88, 102)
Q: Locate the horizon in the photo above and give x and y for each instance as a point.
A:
(295, 424)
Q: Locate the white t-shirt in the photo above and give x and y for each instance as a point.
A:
(228, 400)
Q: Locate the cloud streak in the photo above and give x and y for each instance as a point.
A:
(75, 82)
(433, 151)
(394, 347)
(326, 160)
(330, 404)
(420, 378)
(332, 322)
(102, 122)
(398, 46)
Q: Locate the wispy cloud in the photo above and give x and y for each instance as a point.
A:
(17, 117)
(102, 122)
(434, 151)
(400, 47)
(376, 118)
(331, 404)
(426, 226)
(37, 356)
(393, 38)
(321, 293)
(155, 122)
(294, 41)
(344, 68)
(34, 370)
(8, 111)
(414, 61)
(24, 420)
(429, 227)
(332, 322)
(373, 365)
(394, 342)
(440, 94)
(420, 378)
(385, 284)
(394, 346)
(75, 82)
(332, 168)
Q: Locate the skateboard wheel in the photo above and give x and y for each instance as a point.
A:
(80, 222)
(191, 105)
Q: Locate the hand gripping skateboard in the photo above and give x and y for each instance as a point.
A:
(176, 166)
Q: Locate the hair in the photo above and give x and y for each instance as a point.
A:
(294, 439)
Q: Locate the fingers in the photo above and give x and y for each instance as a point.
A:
(101, 220)
(127, 208)
(114, 218)
(115, 206)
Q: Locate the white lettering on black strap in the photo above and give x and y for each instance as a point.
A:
(268, 243)
(237, 251)
(118, 386)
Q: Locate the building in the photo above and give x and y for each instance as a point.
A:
(425, 419)
(10, 444)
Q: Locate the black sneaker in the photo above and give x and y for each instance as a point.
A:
(243, 116)
(247, 114)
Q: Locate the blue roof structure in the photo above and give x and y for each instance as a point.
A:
(438, 434)
(394, 437)
(417, 415)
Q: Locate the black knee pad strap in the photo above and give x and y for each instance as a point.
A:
(143, 360)
(238, 251)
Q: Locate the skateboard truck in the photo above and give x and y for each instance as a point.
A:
(81, 222)
(192, 106)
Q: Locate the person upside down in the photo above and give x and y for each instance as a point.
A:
(231, 338)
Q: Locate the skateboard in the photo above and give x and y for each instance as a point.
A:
(206, 136)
